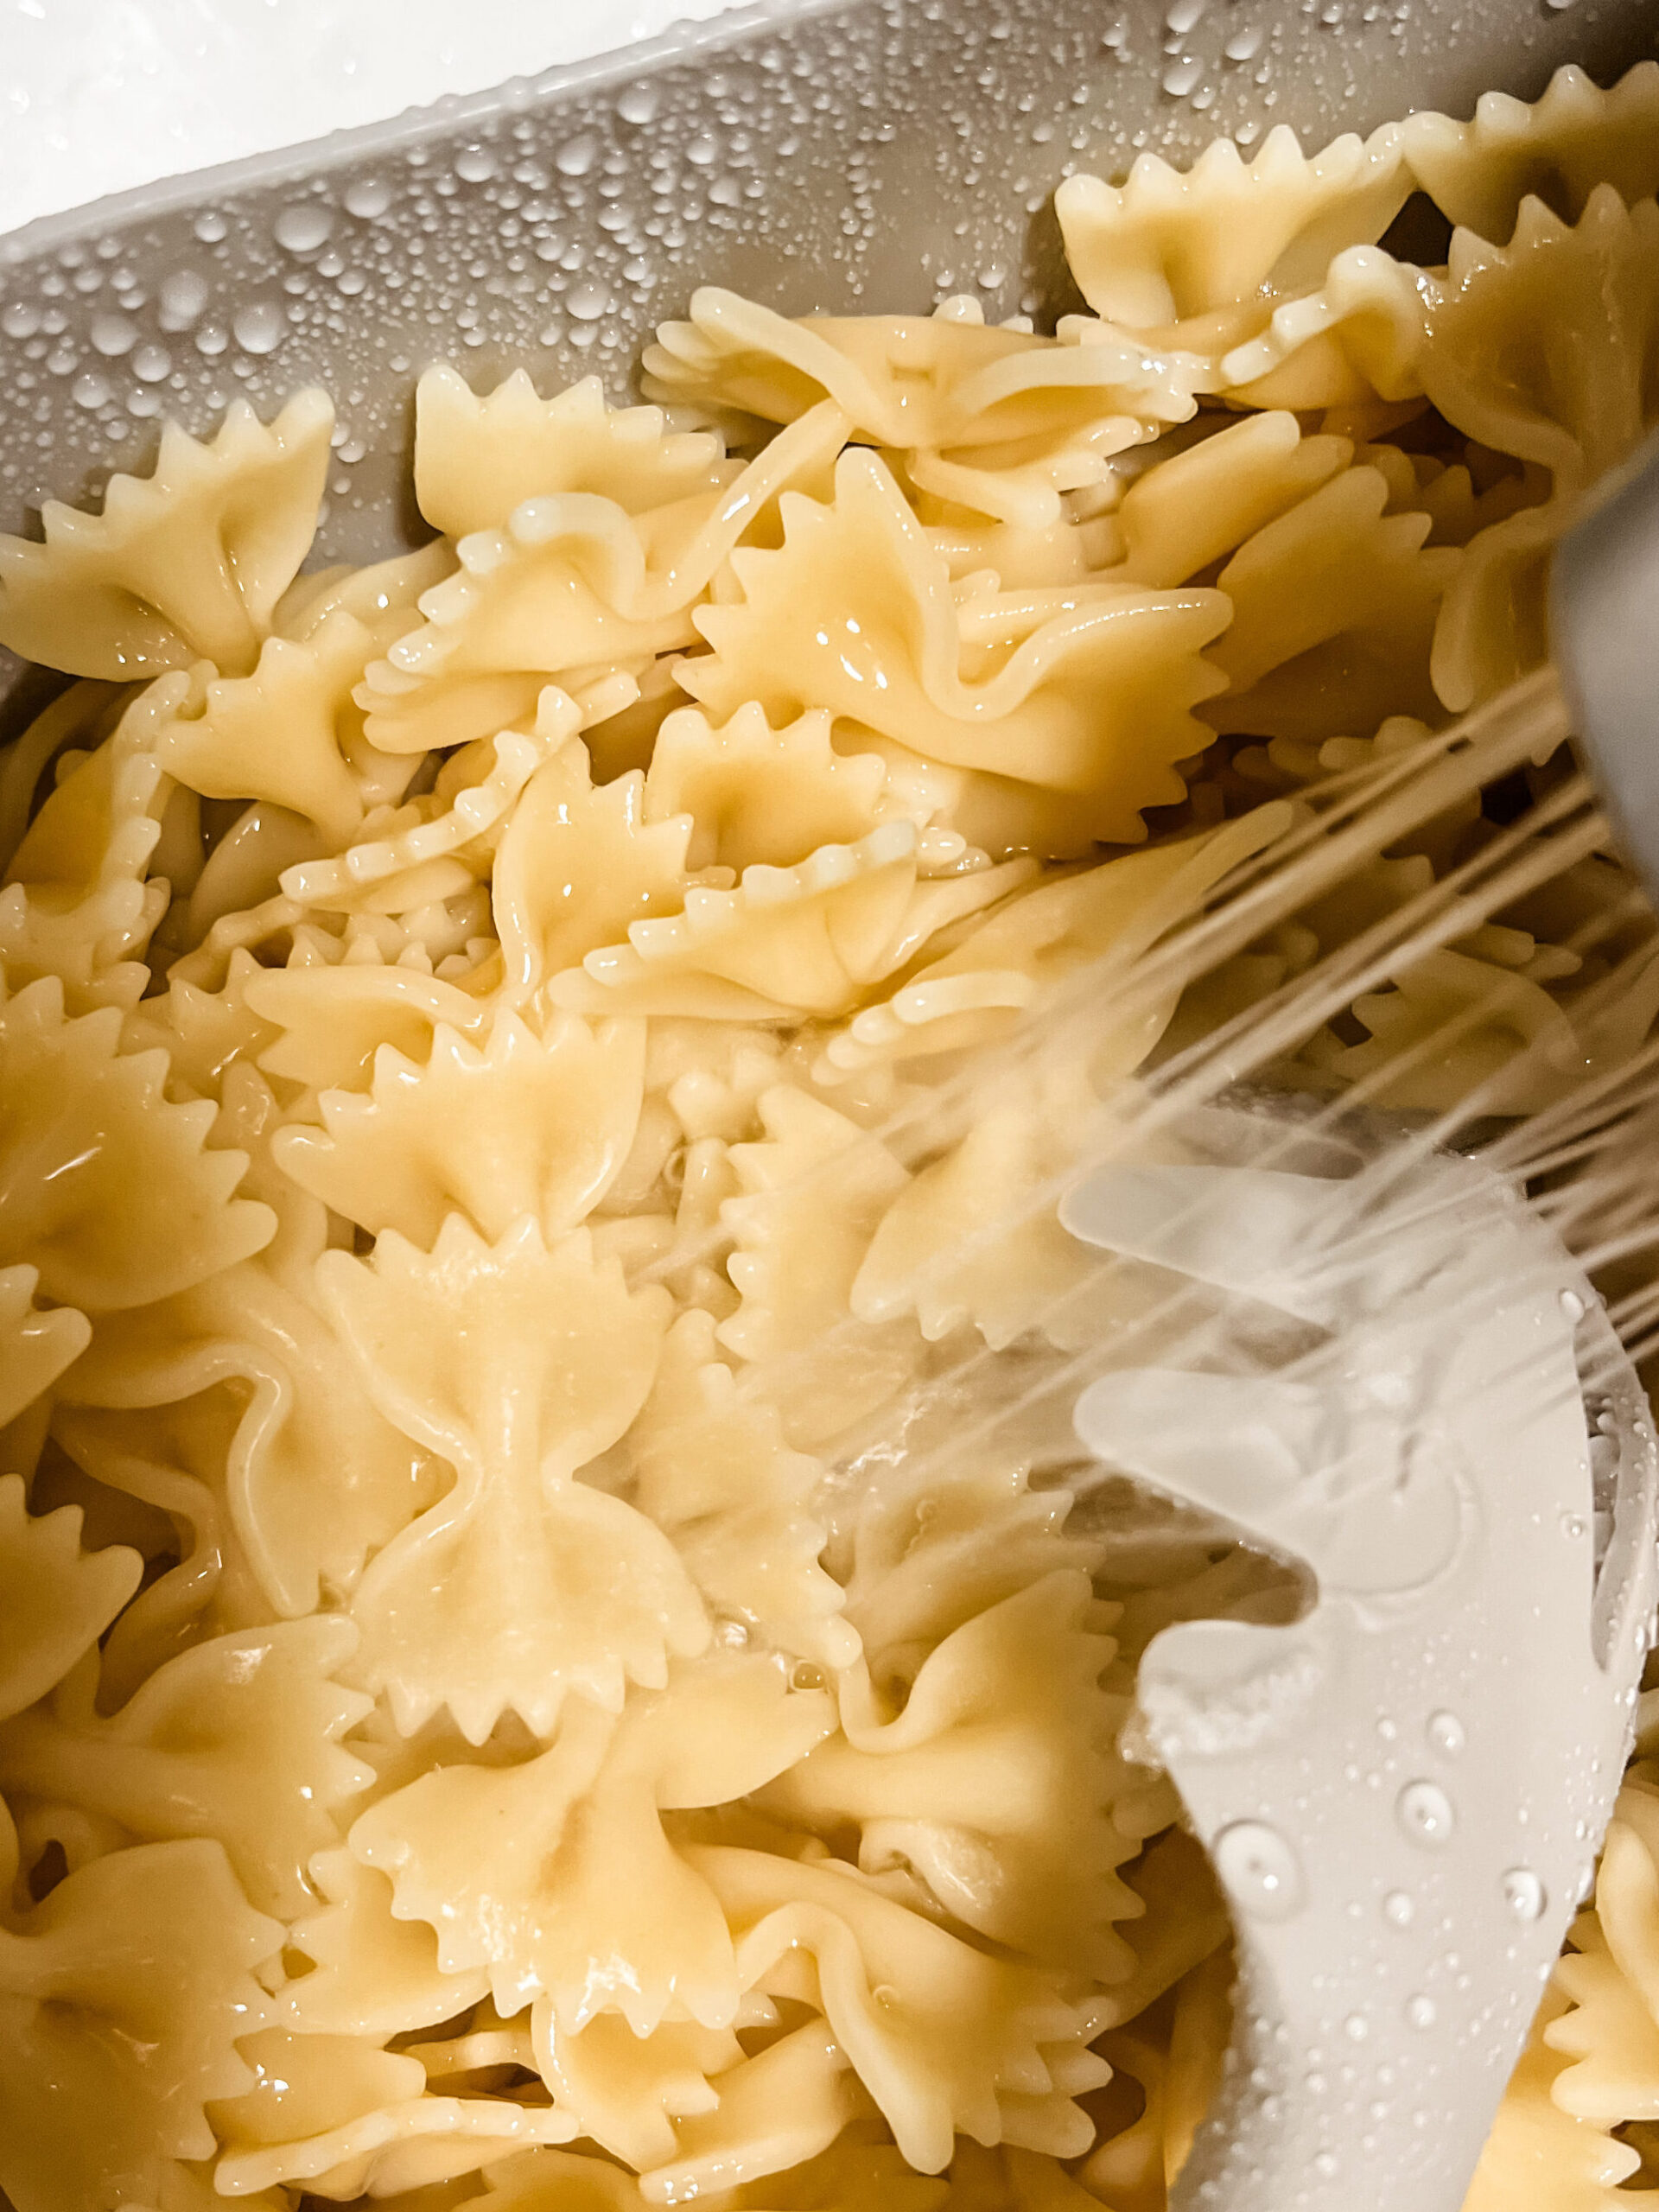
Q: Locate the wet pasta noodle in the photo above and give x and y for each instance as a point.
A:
(458, 1746)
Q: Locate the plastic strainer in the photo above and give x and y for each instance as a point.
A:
(1403, 1790)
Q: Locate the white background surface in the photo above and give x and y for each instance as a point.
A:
(98, 95)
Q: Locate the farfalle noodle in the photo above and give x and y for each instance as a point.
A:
(539, 1672)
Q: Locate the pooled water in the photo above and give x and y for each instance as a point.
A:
(303, 228)
(258, 328)
(183, 296)
(366, 198)
(112, 335)
(1425, 1814)
(640, 103)
(1260, 1869)
(1524, 1893)
(576, 157)
(1446, 1733)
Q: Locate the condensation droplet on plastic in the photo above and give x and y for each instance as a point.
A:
(640, 103)
(1425, 1814)
(303, 228)
(1523, 1893)
(152, 363)
(475, 165)
(89, 391)
(183, 296)
(576, 158)
(1260, 1869)
(1182, 14)
(1245, 45)
(1446, 1733)
(1398, 1909)
(257, 327)
(112, 335)
(210, 226)
(586, 302)
(1181, 76)
(704, 150)
(1572, 1307)
(1357, 2027)
(367, 198)
(1420, 2012)
(1325, 2165)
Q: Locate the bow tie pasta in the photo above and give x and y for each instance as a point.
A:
(536, 1672)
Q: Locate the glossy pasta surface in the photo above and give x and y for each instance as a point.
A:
(507, 1699)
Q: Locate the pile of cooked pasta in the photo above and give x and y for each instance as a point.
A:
(497, 1707)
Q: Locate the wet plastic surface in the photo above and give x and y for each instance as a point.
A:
(876, 155)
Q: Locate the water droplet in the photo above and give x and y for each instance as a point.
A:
(90, 392)
(576, 158)
(1572, 1527)
(113, 335)
(1398, 1909)
(1182, 14)
(1446, 1733)
(367, 198)
(1420, 2012)
(210, 226)
(1181, 77)
(258, 328)
(1245, 45)
(152, 363)
(475, 165)
(1357, 2027)
(704, 150)
(1425, 1813)
(303, 228)
(1572, 1305)
(1260, 1869)
(1325, 2165)
(638, 103)
(21, 320)
(1523, 1893)
(183, 296)
(586, 302)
